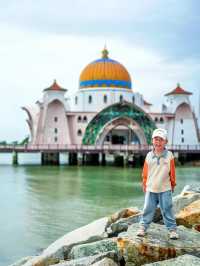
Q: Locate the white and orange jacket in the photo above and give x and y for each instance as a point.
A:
(159, 172)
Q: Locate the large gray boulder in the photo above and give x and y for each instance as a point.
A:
(22, 261)
(105, 262)
(183, 260)
(90, 260)
(190, 215)
(92, 249)
(156, 245)
(192, 188)
(60, 249)
(122, 224)
(120, 221)
(183, 200)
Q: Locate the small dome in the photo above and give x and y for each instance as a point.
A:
(105, 72)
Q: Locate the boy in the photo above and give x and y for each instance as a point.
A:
(159, 181)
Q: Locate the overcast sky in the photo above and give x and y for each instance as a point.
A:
(158, 41)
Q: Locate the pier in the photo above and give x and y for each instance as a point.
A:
(133, 149)
(96, 154)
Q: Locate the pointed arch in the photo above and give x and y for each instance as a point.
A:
(123, 110)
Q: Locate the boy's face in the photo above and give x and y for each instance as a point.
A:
(159, 143)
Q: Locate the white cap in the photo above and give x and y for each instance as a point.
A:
(160, 132)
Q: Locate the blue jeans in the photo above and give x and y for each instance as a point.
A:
(164, 199)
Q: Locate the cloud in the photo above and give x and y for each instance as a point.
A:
(163, 26)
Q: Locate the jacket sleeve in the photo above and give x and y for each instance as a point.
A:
(145, 175)
(172, 173)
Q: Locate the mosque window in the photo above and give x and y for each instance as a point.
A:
(76, 100)
(79, 119)
(121, 98)
(181, 120)
(55, 119)
(182, 131)
(133, 99)
(90, 99)
(55, 130)
(156, 119)
(161, 120)
(79, 132)
(182, 140)
(107, 138)
(85, 119)
(55, 139)
(105, 98)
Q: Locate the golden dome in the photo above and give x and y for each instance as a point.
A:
(105, 72)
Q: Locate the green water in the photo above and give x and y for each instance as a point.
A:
(39, 204)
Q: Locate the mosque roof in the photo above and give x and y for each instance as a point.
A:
(55, 87)
(178, 90)
(105, 72)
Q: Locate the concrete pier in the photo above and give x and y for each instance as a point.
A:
(73, 158)
(15, 158)
(92, 159)
(118, 160)
(103, 159)
(48, 158)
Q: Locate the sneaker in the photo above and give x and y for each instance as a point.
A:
(173, 235)
(141, 232)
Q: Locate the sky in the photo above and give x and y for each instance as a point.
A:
(156, 40)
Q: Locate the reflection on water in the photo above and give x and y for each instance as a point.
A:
(41, 203)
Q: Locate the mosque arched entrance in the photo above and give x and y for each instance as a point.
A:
(121, 123)
(123, 131)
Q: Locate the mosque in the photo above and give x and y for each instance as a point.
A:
(105, 110)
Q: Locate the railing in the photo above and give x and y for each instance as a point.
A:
(92, 148)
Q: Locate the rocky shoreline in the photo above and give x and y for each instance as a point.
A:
(112, 241)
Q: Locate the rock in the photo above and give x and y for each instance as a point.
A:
(196, 227)
(21, 261)
(190, 215)
(105, 262)
(158, 216)
(156, 245)
(92, 249)
(183, 200)
(125, 213)
(120, 221)
(90, 260)
(123, 224)
(192, 188)
(183, 260)
(117, 228)
(60, 248)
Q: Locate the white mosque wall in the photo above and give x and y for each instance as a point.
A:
(51, 95)
(172, 101)
(78, 121)
(53, 125)
(169, 126)
(94, 100)
(185, 132)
